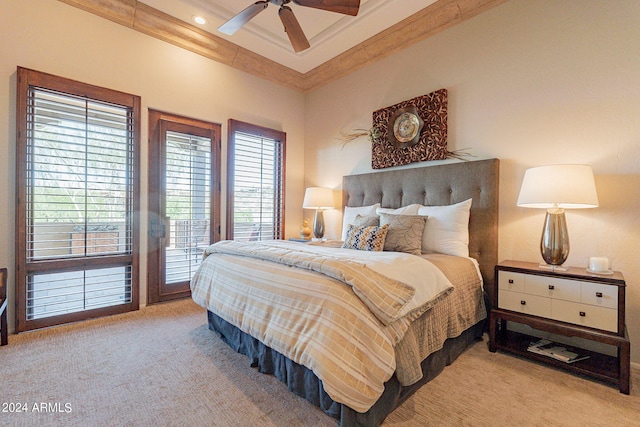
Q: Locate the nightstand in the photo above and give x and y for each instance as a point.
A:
(572, 303)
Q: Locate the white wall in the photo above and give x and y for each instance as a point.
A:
(53, 37)
(531, 83)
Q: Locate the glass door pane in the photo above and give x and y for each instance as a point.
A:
(187, 204)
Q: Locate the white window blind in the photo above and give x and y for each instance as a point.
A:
(258, 207)
(79, 201)
(188, 201)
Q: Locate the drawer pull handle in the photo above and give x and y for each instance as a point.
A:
(511, 281)
(551, 287)
(523, 302)
(583, 314)
(599, 294)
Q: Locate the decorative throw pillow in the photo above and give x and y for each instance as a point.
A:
(350, 215)
(447, 230)
(365, 238)
(366, 220)
(405, 232)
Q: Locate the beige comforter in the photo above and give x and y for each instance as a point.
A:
(343, 323)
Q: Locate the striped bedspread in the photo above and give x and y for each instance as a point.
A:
(338, 312)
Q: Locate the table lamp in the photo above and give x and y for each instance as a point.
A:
(556, 188)
(318, 198)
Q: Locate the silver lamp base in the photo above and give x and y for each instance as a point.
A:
(318, 224)
(554, 243)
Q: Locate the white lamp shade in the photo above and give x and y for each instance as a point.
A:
(318, 198)
(558, 186)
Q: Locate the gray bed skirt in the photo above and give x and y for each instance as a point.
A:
(304, 383)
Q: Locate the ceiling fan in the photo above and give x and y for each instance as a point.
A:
(291, 26)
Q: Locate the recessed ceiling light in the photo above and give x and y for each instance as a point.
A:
(199, 20)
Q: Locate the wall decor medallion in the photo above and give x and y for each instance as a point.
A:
(411, 131)
(406, 125)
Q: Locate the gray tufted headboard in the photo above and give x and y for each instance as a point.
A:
(440, 185)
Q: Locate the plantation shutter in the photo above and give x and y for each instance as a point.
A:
(78, 169)
(78, 208)
(188, 203)
(257, 190)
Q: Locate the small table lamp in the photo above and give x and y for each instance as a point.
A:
(318, 198)
(556, 188)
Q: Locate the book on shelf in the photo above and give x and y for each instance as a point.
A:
(550, 349)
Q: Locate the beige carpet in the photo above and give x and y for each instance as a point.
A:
(161, 366)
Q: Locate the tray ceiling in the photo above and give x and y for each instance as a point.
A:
(329, 33)
(340, 44)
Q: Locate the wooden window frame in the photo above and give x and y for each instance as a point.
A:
(26, 79)
(263, 132)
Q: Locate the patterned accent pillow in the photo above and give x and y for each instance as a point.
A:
(405, 232)
(366, 220)
(365, 238)
(350, 214)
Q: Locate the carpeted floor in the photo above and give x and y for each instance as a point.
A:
(161, 366)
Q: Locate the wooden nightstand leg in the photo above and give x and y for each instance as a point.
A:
(492, 333)
(624, 359)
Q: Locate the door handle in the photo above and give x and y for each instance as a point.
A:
(153, 228)
(157, 229)
(166, 231)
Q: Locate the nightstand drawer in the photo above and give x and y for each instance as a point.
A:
(524, 303)
(553, 287)
(585, 315)
(599, 295)
(510, 281)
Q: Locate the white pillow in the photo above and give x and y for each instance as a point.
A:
(405, 210)
(350, 215)
(447, 229)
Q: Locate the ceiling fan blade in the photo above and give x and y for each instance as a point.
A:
(292, 28)
(346, 7)
(238, 21)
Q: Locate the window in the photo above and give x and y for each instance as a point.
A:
(256, 157)
(77, 186)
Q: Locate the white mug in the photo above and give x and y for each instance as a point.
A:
(598, 263)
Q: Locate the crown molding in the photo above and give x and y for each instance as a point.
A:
(431, 20)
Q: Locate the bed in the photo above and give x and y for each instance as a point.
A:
(256, 308)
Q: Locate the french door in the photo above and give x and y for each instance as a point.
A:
(184, 201)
